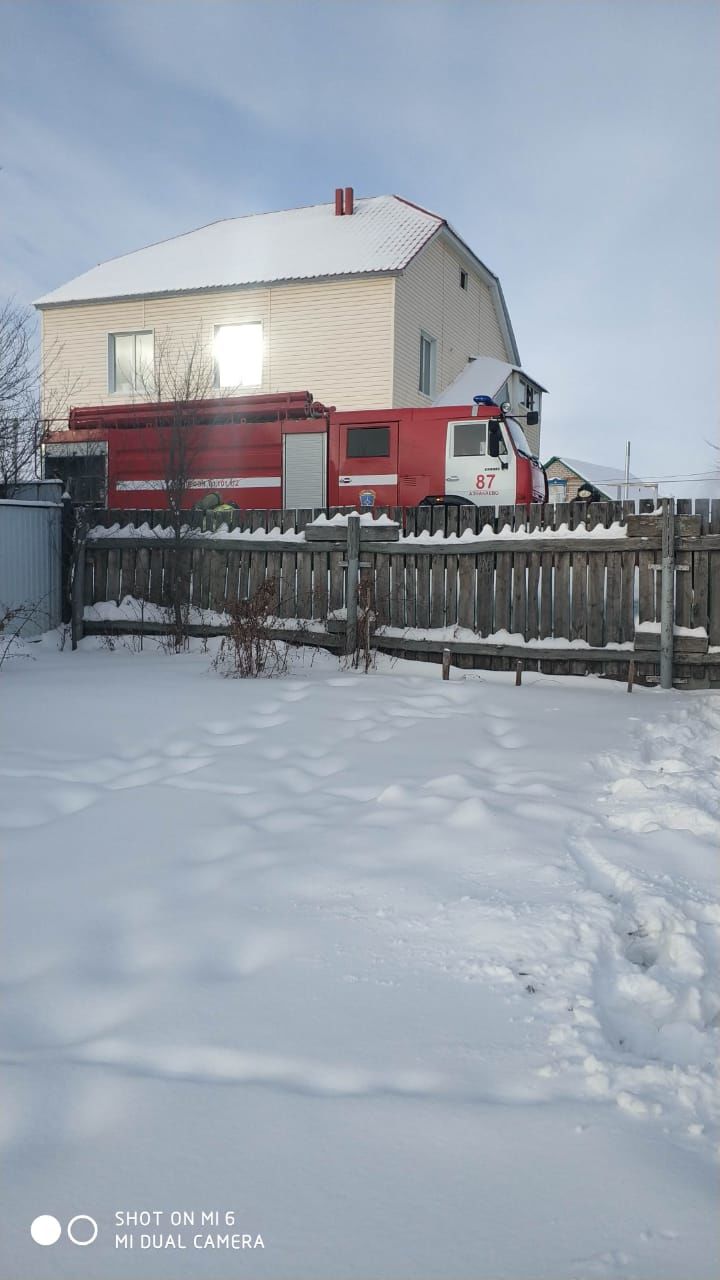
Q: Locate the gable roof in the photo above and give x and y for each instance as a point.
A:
(383, 234)
(481, 376)
(602, 478)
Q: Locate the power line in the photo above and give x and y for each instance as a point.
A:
(694, 478)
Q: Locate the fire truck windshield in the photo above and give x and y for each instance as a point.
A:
(518, 437)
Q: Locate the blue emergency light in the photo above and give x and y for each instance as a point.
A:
(483, 400)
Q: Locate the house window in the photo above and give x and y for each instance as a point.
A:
(428, 349)
(463, 279)
(130, 362)
(238, 351)
(368, 442)
(528, 394)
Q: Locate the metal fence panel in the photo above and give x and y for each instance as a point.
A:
(31, 565)
(33, 491)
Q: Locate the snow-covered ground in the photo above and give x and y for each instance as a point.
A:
(417, 980)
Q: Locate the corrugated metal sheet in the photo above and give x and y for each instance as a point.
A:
(31, 564)
(33, 491)
(304, 470)
(383, 234)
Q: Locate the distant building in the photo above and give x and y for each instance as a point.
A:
(369, 303)
(567, 476)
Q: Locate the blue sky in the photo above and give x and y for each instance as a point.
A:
(572, 144)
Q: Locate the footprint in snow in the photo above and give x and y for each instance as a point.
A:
(267, 721)
(295, 695)
(33, 810)
(235, 740)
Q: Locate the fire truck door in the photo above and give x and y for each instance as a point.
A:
(304, 469)
(368, 463)
(470, 472)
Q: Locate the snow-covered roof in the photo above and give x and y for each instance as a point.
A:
(606, 479)
(383, 234)
(482, 376)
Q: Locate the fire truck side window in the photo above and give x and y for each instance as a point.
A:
(368, 442)
(469, 440)
(83, 476)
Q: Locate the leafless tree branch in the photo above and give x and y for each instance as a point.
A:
(22, 418)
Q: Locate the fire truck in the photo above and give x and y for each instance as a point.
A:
(287, 450)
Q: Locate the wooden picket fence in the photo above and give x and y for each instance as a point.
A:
(568, 602)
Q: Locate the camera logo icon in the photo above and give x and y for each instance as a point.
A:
(81, 1230)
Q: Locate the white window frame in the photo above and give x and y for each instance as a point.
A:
(238, 324)
(112, 362)
(528, 396)
(432, 365)
(479, 424)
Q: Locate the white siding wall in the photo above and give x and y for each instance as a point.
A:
(463, 322)
(336, 340)
(333, 338)
(516, 396)
(352, 343)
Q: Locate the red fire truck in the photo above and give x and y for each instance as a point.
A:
(284, 451)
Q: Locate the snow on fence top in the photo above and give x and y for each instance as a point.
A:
(166, 533)
(500, 638)
(366, 517)
(522, 534)
(653, 628)
(486, 534)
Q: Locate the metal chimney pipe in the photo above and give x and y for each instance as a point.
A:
(339, 209)
(349, 199)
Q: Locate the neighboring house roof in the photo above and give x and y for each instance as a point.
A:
(606, 479)
(383, 234)
(482, 376)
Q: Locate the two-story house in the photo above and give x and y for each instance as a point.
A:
(369, 303)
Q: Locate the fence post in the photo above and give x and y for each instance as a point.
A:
(78, 590)
(353, 569)
(67, 532)
(667, 594)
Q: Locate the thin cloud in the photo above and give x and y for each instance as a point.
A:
(572, 145)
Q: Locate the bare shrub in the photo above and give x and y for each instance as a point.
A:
(7, 617)
(12, 623)
(367, 621)
(180, 376)
(362, 657)
(250, 650)
(24, 415)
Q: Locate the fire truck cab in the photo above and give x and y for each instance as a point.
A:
(445, 455)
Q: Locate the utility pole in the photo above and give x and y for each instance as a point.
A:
(351, 593)
(667, 594)
(627, 470)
